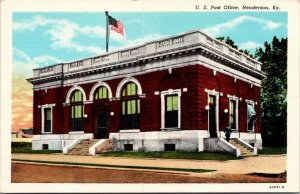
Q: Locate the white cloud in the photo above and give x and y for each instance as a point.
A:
(23, 64)
(95, 31)
(249, 45)
(126, 43)
(62, 33)
(229, 25)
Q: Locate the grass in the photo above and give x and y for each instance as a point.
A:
(173, 155)
(26, 147)
(272, 150)
(20, 144)
(29, 150)
(119, 166)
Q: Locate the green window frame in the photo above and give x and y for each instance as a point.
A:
(130, 107)
(171, 111)
(101, 93)
(232, 114)
(47, 120)
(77, 111)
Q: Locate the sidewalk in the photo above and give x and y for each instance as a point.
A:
(274, 164)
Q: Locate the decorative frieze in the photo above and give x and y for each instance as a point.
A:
(47, 69)
(171, 42)
(76, 64)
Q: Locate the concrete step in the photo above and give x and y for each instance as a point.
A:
(243, 149)
(82, 148)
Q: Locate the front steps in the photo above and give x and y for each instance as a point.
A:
(82, 148)
(245, 151)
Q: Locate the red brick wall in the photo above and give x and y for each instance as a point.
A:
(193, 116)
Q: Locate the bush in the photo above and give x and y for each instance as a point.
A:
(20, 144)
(272, 150)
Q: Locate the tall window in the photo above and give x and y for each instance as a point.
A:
(130, 107)
(101, 93)
(171, 111)
(232, 114)
(251, 116)
(77, 111)
(47, 120)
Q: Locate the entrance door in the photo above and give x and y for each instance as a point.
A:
(101, 125)
(212, 116)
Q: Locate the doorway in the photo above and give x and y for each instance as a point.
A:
(212, 116)
(101, 125)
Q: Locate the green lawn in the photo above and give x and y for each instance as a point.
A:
(173, 155)
(26, 147)
(271, 151)
(30, 151)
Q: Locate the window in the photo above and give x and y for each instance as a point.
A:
(77, 111)
(170, 147)
(45, 146)
(232, 114)
(212, 100)
(101, 93)
(171, 111)
(47, 120)
(128, 147)
(251, 116)
(170, 108)
(130, 107)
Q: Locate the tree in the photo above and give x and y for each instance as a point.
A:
(231, 43)
(228, 41)
(274, 92)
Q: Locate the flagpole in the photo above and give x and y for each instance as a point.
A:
(107, 30)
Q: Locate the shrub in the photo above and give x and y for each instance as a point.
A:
(20, 144)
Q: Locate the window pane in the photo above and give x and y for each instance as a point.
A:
(175, 102)
(48, 114)
(76, 111)
(101, 93)
(133, 89)
(104, 92)
(47, 120)
(138, 106)
(128, 90)
(76, 96)
(128, 107)
(133, 106)
(123, 108)
(72, 112)
(212, 99)
(169, 103)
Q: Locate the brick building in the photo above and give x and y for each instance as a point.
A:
(177, 93)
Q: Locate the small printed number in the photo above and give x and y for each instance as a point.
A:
(276, 187)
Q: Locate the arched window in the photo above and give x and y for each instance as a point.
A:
(101, 93)
(130, 107)
(77, 111)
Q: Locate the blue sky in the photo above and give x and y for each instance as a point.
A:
(47, 38)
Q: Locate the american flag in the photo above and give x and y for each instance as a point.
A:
(116, 25)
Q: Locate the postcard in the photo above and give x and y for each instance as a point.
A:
(149, 96)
